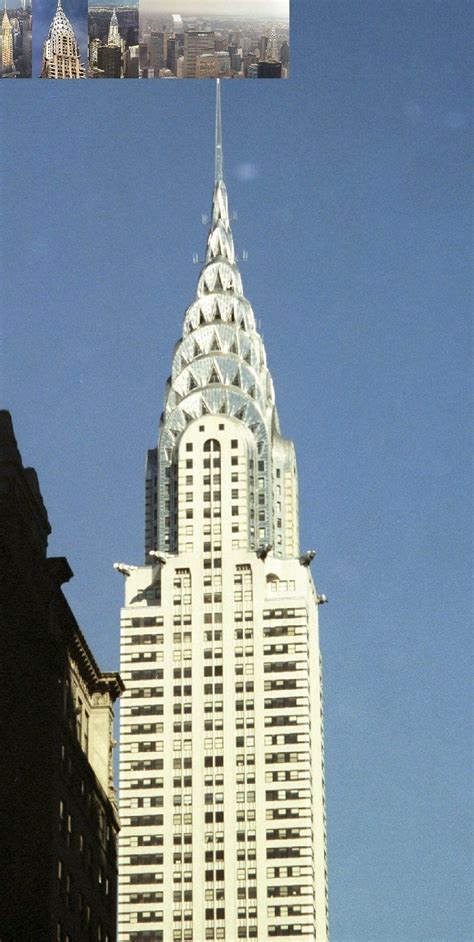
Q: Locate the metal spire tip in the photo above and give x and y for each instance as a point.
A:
(219, 174)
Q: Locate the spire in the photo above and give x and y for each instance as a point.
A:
(219, 365)
(114, 34)
(7, 43)
(60, 23)
(219, 150)
(272, 51)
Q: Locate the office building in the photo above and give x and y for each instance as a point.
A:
(157, 50)
(269, 70)
(113, 38)
(196, 43)
(206, 65)
(7, 43)
(58, 812)
(109, 61)
(222, 763)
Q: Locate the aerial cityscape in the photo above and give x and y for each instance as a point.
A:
(113, 41)
(15, 47)
(196, 44)
(146, 40)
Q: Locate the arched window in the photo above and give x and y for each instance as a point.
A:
(212, 445)
(273, 582)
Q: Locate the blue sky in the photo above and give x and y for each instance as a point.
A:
(352, 190)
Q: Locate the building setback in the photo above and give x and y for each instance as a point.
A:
(221, 766)
(58, 810)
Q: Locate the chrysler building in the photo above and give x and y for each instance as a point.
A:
(113, 38)
(221, 762)
(7, 43)
(60, 51)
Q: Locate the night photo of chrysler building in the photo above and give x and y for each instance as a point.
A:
(222, 760)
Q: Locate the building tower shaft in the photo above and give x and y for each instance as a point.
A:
(222, 768)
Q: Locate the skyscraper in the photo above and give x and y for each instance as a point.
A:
(284, 56)
(222, 768)
(157, 50)
(272, 49)
(60, 51)
(7, 42)
(196, 43)
(113, 38)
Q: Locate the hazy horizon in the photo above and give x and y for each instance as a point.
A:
(272, 9)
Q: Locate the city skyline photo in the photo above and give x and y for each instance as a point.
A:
(15, 49)
(226, 42)
(113, 40)
(76, 13)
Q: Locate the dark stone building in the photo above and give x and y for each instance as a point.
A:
(269, 70)
(58, 815)
(109, 59)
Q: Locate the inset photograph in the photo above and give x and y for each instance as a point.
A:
(60, 39)
(113, 40)
(214, 39)
(15, 49)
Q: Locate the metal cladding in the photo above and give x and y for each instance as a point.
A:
(219, 365)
